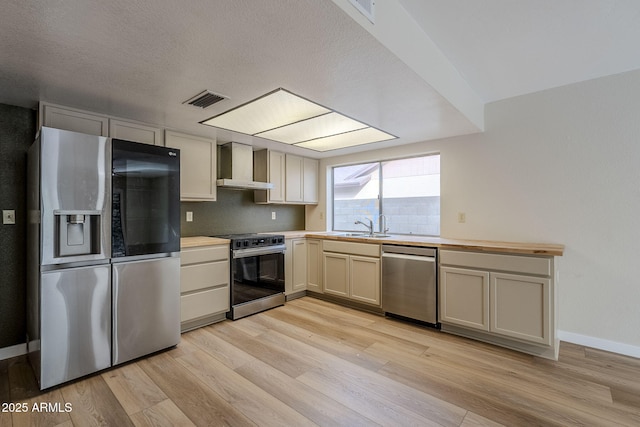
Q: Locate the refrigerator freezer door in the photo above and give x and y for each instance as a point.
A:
(75, 323)
(75, 191)
(146, 307)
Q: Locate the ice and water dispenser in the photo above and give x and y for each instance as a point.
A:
(78, 233)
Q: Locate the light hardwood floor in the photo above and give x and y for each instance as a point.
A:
(312, 362)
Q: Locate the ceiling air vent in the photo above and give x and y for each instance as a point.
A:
(205, 99)
(366, 7)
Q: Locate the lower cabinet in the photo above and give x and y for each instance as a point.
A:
(509, 297)
(295, 261)
(204, 285)
(352, 270)
(314, 265)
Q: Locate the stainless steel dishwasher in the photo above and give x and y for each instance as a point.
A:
(409, 287)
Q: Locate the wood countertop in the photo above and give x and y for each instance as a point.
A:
(193, 242)
(546, 249)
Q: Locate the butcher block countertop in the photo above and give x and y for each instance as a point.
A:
(192, 242)
(546, 249)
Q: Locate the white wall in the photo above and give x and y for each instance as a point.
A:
(558, 166)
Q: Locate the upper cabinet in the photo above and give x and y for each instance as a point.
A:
(136, 132)
(197, 165)
(310, 180)
(268, 166)
(295, 178)
(56, 116)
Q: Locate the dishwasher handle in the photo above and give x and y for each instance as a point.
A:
(410, 250)
(409, 257)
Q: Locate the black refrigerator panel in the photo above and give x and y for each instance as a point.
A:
(145, 199)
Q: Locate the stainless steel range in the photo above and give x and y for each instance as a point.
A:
(257, 273)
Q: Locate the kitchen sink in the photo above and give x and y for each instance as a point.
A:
(364, 235)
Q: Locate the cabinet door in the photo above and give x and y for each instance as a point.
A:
(520, 307)
(74, 120)
(197, 166)
(276, 176)
(464, 297)
(310, 180)
(136, 132)
(314, 265)
(364, 275)
(293, 178)
(336, 274)
(299, 249)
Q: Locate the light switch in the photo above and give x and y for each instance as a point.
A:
(8, 217)
(462, 217)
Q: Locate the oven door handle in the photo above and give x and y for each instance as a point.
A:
(249, 252)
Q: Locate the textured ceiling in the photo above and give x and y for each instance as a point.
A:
(140, 60)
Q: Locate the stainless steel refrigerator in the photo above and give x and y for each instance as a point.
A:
(103, 253)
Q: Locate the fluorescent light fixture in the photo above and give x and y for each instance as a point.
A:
(349, 139)
(316, 127)
(288, 118)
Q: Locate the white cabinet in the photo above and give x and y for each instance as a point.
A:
(509, 298)
(301, 178)
(268, 166)
(310, 181)
(136, 132)
(60, 117)
(56, 116)
(464, 297)
(520, 307)
(352, 270)
(314, 265)
(364, 277)
(295, 178)
(204, 285)
(295, 260)
(197, 166)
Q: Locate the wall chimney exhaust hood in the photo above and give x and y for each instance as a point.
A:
(235, 168)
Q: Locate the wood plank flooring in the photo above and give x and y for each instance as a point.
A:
(312, 362)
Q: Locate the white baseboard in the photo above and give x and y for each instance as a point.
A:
(13, 351)
(599, 343)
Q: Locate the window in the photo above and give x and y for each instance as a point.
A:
(405, 191)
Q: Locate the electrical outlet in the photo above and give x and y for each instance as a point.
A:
(321, 215)
(273, 215)
(189, 216)
(462, 217)
(8, 217)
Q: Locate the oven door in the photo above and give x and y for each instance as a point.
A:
(145, 199)
(256, 273)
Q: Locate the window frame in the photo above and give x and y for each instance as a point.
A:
(380, 191)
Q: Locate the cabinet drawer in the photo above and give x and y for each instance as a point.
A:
(202, 276)
(366, 249)
(205, 303)
(514, 263)
(204, 254)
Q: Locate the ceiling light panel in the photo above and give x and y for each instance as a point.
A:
(349, 139)
(314, 128)
(271, 111)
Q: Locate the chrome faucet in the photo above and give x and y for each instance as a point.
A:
(383, 223)
(369, 226)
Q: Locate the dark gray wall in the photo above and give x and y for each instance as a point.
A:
(234, 212)
(17, 132)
